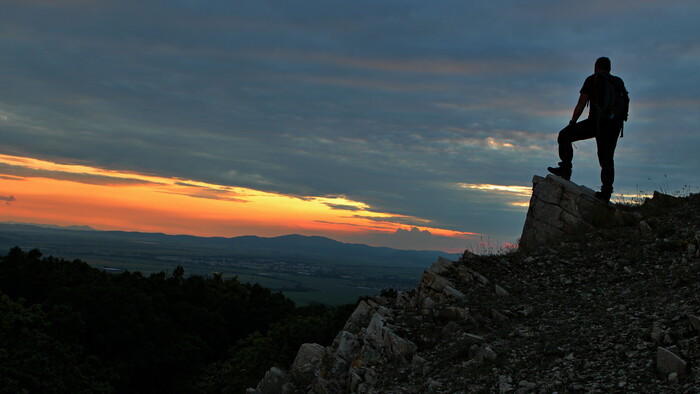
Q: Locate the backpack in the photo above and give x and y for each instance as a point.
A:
(614, 101)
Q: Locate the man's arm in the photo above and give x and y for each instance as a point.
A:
(580, 106)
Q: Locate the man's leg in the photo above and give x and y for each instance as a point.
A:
(582, 130)
(607, 142)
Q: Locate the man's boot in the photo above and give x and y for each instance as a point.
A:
(562, 171)
(604, 194)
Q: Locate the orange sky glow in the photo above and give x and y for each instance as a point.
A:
(37, 191)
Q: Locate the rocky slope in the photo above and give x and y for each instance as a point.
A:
(610, 309)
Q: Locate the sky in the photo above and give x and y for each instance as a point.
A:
(409, 124)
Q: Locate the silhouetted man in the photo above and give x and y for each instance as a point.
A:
(608, 101)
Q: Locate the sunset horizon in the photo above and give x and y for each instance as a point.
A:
(409, 125)
(47, 193)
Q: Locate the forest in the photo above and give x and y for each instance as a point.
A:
(68, 327)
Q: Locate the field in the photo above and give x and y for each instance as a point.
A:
(308, 270)
(302, 288)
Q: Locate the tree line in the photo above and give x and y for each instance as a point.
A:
(68, 327)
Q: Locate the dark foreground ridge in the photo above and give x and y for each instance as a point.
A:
(606, 308)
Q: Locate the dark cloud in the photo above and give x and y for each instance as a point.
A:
(91, 179)
(343, 207)
(378, 227)
(11, 178)
(186, 184)
(387, 103)
(410, 221)
(7, 199)
(209, 194)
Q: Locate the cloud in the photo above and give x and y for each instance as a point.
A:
(343, 207)
(210, 194)
(7, 199)
(17, 172)
(413, 233)
(416, 239)
(11, 178)
(518, 196)
(378, 227)
(51, 3)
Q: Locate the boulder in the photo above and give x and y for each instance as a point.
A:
(449, 290)
(435, 282)
(471, 338)
(469, 275)
(661, 200)
(307, 361)
(695, 322)
(481, 353)
(402, 299)
(382, 338)
(359, 318)
(322, 386)
(418, 363)
(275, 381)
(500, 291)
(668, 362)
(428, 303)
(347, 346)
(453, 313)
(441, 266)
(355, 380)
(559, 208)
(498, 316)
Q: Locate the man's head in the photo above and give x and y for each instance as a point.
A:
(602, 65)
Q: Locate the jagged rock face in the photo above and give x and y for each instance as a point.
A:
(558, 208)
(369, 340)
(374, 337)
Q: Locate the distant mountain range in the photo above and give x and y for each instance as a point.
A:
(84, 242)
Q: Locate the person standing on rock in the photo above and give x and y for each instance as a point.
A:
(609, 105)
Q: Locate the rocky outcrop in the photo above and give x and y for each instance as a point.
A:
(375, 337)
(369, 339)
(613, 310)
(560, 208)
